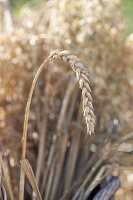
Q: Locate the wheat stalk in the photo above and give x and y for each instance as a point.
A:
(7, 179)
(83, 79)
(30, 175)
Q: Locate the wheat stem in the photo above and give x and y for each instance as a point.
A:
(24, 138)
(83, 79)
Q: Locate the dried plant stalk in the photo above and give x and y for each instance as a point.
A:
(7, 179)
(24, 138)
(30, 175)
(83, 79)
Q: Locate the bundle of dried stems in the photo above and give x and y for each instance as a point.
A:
(66, 166)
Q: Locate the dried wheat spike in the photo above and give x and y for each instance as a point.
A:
(83, 79)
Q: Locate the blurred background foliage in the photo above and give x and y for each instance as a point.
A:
(128, 13)
(35, 4)
(95, 31)
(18, 4)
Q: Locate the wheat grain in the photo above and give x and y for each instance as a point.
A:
(83, 79)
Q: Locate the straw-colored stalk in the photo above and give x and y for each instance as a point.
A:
(83, 79)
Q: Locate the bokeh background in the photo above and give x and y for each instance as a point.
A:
(100, 33)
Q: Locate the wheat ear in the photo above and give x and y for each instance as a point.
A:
(83, 78)
(84, 83)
